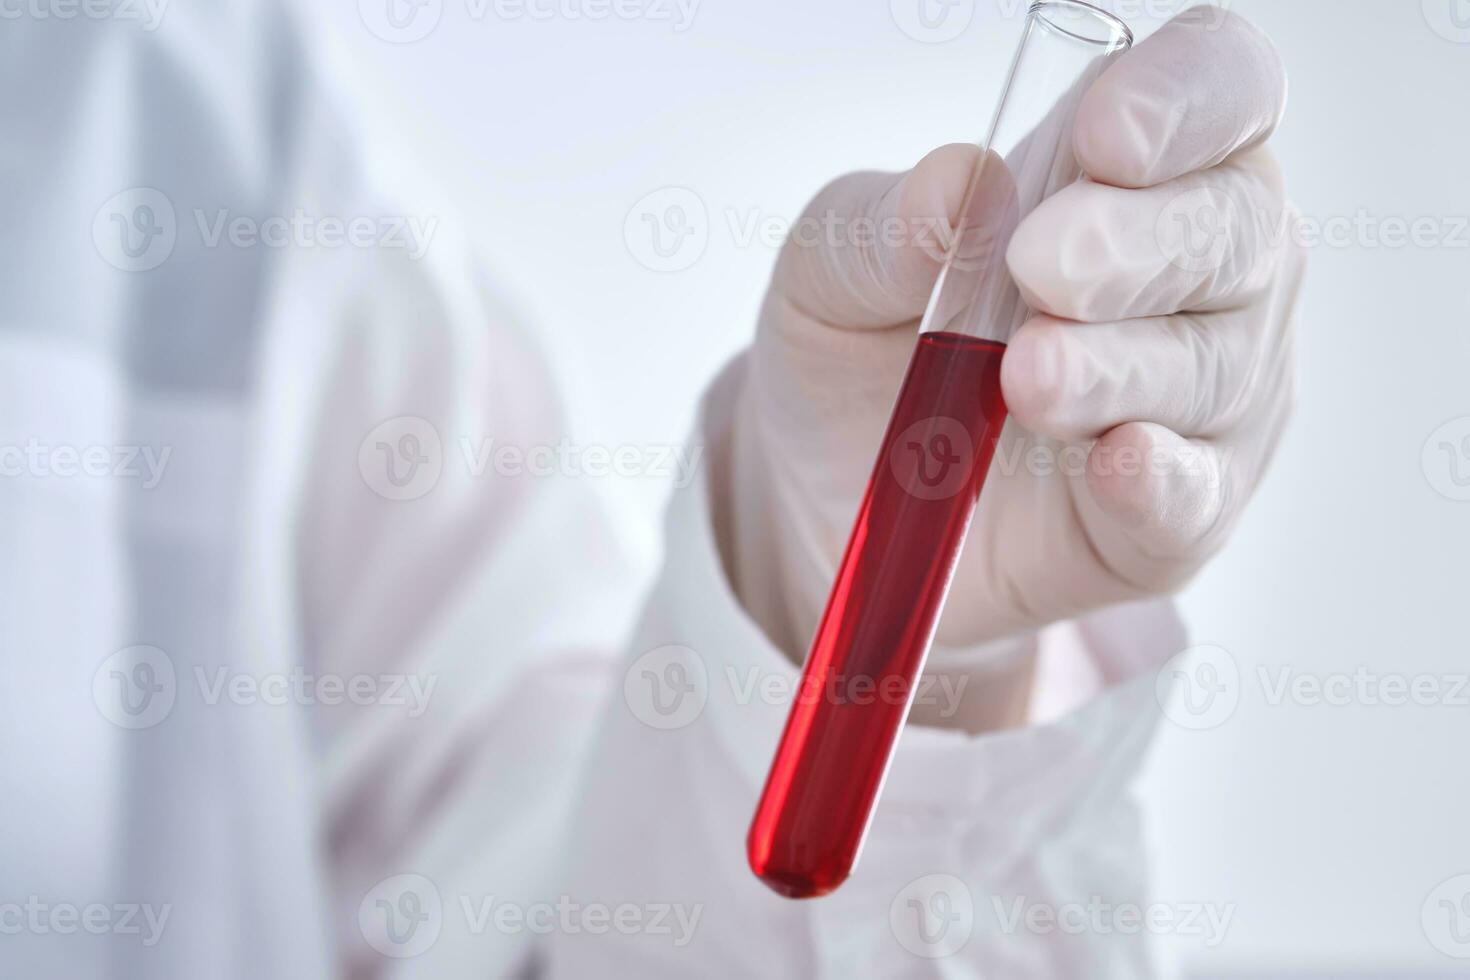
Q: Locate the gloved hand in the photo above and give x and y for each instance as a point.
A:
(1156, 380)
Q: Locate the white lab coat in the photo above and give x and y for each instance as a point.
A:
(264, 833)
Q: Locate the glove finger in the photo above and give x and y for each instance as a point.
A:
(869, 247)
(1203, 87)
(1198, 374)
(1205, 241)
(1156, 502)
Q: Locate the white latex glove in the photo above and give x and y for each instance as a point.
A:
(1136, 343)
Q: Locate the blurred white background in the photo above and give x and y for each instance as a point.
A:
(1326, 825)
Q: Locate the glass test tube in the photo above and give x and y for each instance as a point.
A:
(865, 662)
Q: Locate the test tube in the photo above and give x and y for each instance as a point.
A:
(865, 662)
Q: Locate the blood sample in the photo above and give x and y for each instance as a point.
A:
(865, 663)
(878, 624)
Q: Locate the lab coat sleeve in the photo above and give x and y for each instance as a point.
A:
(482, 605)
(463, 594)
(972, 831)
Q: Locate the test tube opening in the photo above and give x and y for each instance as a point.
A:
(1082, 21)
(1026, 157)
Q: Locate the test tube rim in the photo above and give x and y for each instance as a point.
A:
(1120, 34)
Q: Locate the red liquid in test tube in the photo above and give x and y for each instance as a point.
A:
(880, 619)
